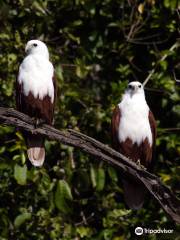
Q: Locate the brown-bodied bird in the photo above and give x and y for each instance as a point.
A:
(133, 134)
(35, 94)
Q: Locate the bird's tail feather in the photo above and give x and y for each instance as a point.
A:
(35, 150)
(134, 194)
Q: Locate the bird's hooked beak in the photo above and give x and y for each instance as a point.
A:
(27, 49)
(135, 88)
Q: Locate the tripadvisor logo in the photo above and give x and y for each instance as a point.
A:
(140, 231)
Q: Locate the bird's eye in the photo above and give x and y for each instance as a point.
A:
(35, 44)
(130, 86)
(139, 86)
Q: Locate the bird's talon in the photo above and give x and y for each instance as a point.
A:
(138, 162)
(33, 131)
(38, 122)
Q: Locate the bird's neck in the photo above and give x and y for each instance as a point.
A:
(138, 98)
(44, 55)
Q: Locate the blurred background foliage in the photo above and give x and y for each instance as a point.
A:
(96, 48)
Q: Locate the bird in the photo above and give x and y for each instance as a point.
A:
(133, 130)
(35, 95)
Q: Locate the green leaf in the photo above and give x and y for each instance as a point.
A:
(59, 72)
(20, 219)
(97, 178)
(39, 8)
(20, 174)
(165, 177)
(20, 136)
(84, 231)
(93, 176)
(112, 173)
(2, 149)
(100, 179)
(116, 213)
(5, 166)
(62, 195)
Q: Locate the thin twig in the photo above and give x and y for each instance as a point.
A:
(174, 46)
(177, 80)
(147, 42)
(169, 130)
(68, 65)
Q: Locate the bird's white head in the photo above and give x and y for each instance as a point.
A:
(37, 47)
(135, 88)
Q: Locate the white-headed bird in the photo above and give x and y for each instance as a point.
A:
(133, 135)
(35, 94)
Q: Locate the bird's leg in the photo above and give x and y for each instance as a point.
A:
(36, 122)
(39, 122)
(143, 167)
(138, 162)
(34, 119)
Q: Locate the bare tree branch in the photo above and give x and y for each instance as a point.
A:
(177, 80)
(174, 46)
(169, 203)
(173, 129)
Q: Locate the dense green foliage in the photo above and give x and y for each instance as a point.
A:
(96, 48)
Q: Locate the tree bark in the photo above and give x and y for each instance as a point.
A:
(169, 203)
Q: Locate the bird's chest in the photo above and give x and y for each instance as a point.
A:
(134, 124)
(36, 77)
(38, 69)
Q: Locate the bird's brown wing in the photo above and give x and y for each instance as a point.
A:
(35, 107)
(115, 127)
(45, 110)
(55, 93)
(18, 96)
(35, 143)
(152, 123)
(40, 109)
(134, 192)
(46, 106)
